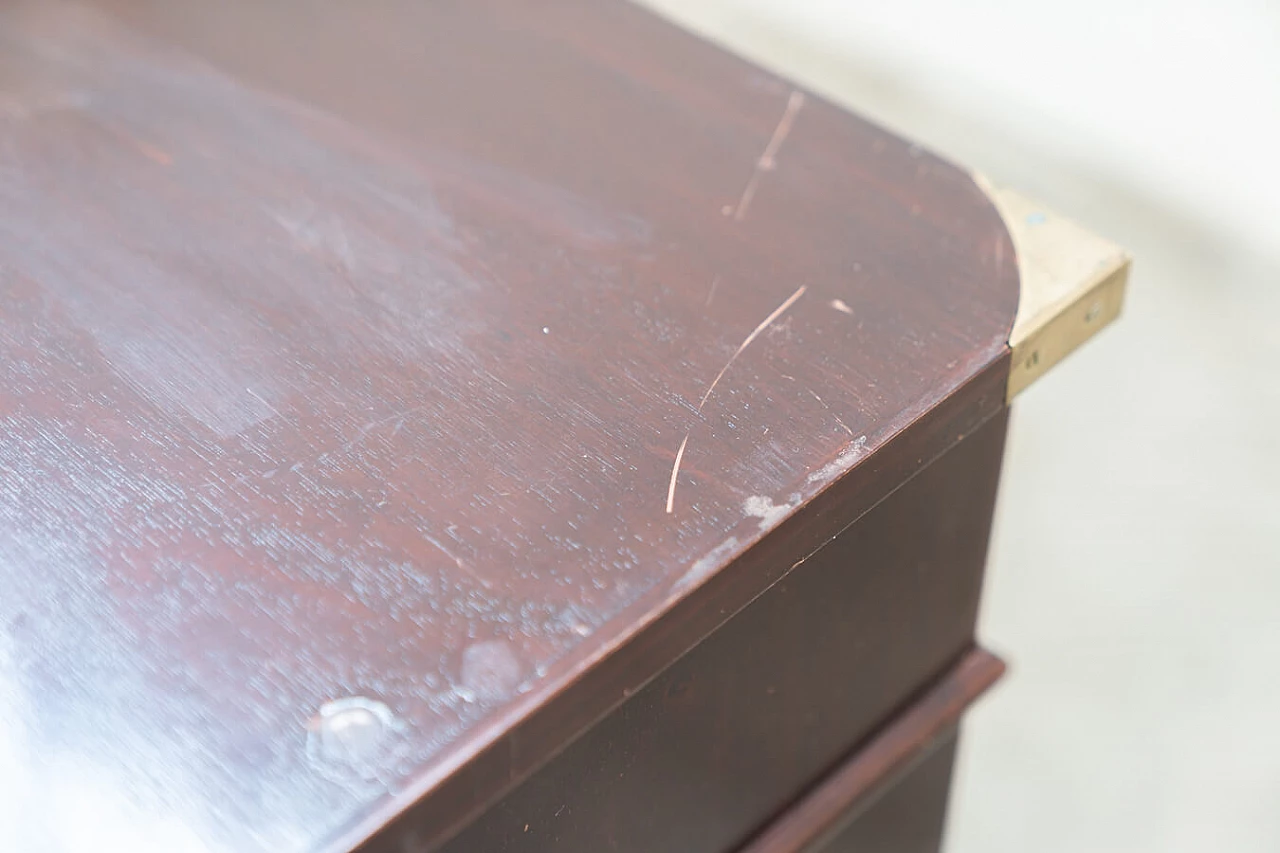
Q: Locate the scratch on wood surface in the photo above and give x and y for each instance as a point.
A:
(715, 282)
(755, 333)
(675, 472)
(361, 434)
(823, 402)
(766, 162)
(457, 560)
(764, 324)
(398, 417)
(155, 154)
(255, 395)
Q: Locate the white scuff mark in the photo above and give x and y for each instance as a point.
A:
(852, 452)
(706, 564)
(841, 306)
(763, 508)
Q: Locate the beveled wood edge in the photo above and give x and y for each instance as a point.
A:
(1071, 284)
(872, 768)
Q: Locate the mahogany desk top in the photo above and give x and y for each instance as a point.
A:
(388, 390)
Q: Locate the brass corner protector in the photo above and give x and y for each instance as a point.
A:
(1072, 284)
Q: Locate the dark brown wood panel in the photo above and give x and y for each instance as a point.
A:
(910, 817)
(724, 739)
(847, 791)
(346, 354)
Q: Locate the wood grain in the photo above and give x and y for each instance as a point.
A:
(345, 353)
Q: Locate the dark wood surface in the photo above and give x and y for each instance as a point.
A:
(346, 353)
(908, 818)
(826, 812)
(727, 736)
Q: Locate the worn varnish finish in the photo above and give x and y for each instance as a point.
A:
(346, 352)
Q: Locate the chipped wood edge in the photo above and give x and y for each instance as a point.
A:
(1071, 284)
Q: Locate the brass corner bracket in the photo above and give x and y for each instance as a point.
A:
(1072, 284)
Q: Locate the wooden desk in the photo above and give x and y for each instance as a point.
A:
(482, 426)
